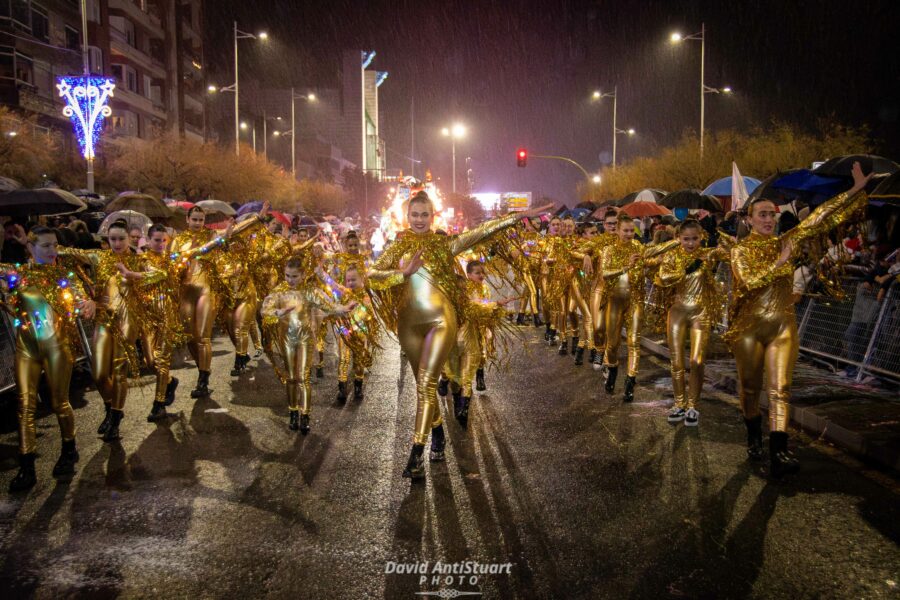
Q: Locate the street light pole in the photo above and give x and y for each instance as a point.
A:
(453, 146)
(265, 137)
(237, 96)
(85, 59)
(615, 103)
(293, 136)
(702, 82)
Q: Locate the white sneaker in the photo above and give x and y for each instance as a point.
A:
(598, 362)
(676, 415)
(692, 418)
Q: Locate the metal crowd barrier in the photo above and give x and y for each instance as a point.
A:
(858, 332)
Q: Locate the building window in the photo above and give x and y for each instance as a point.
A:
(95, 56)
(148, 83)
(40, 23)
(131, 80)
(93, 11)
(7, 63)
(21, 14)
(73, 39)
(24, 69)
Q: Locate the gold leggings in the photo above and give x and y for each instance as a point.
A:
(598, 317)
(240, 322)
(198, 311)
(771, 342)
(529, 300)
(681, 321)
(347, 356)
(546, 307)
(160, 352)
(619, 309)
(586, 339)
(54, 357)
(298, 355)
(321, 332)
(427, 346)
(109, 362)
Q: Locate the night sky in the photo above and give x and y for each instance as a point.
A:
(520, 73)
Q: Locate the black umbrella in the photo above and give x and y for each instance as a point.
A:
(691, 199)
(840, 166)
(887, 190)
(43, 201)
(645, 195)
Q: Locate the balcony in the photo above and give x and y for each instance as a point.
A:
(127, 8)
(118, 43)
(139, 103)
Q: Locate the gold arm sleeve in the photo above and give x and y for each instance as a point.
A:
(827, 216)
(470, 238)
(748, 276)
(670, 271)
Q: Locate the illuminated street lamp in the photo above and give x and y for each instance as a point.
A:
(704, 89)
(238, 35)
(309, 98)
(454, 132)
(596, 179)
(598, 95)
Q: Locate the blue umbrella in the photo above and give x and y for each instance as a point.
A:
(722, 187)
(254, 206)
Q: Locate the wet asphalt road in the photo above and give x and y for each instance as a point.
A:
(583, 496)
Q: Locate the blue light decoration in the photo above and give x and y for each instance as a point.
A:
(87, 105)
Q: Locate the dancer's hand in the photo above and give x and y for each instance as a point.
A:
(859, 179)
(787, 250)
(87, 308)
(414, 264)
(632, 260)
(588, 266)
(346, 308)
(264, 210)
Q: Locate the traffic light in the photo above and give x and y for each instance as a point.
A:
(522, 157)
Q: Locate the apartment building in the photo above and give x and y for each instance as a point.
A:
(152, 48)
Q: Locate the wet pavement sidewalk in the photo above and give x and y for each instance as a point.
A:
(862, 418)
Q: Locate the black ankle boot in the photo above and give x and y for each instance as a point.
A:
(575, 340)
(104, 426)
(438, 441)
(443, 385)
(342, 391)
(157, 413)
(547, 331)
(520, 319)
(537, 320)
(479, 380)
(202, 388)
(415, 467)
(461, 410)
(320, 372)
(564, 348)
(358, 389)
(781, 461)
(170, 391)
(579, 356)
(65, 465)
(629, 388)
(294, 424)
(304, 424)
(240, 364)
(112, 434)
(25, 479)
(593, 356)
(611, 373)
(754, 438)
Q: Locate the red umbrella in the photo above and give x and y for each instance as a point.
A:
(645, 209)
(281, 217)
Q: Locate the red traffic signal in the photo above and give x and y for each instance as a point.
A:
(521, 157)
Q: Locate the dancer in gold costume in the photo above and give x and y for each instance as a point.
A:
(424, 306)
(201, 289)
(762, 330)
(598, 288)
(694, 303)
(44, 299)
(356, 334)
(622, 266)
(545, 247)
(579, 290)
(120, 313)
(288, 322)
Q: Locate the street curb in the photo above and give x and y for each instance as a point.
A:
(807, 419)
